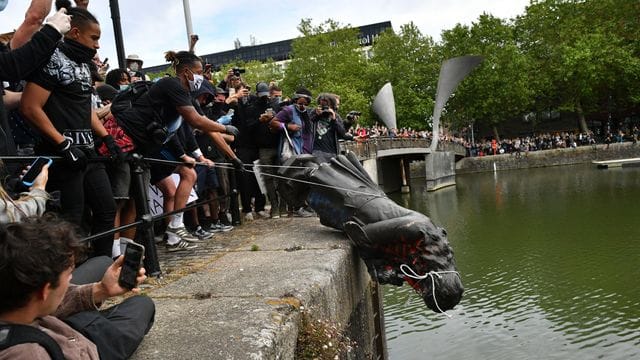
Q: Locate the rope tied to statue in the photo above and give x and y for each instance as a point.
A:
(409, 272)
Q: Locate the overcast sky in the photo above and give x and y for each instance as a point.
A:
(151, 27)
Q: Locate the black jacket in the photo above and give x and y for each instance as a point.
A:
(17, 65)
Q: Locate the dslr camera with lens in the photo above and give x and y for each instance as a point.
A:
(352, 115)
(238, 71)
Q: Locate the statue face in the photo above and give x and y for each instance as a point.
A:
(436, 255)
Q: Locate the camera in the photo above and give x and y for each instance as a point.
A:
(353, 114)
(158, 133)
(351, 119)
(238, 71)
(325, 111)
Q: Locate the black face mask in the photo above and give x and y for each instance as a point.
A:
(220, 106)
(77, 52)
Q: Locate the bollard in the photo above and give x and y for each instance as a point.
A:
(144, 232)
(234, 206)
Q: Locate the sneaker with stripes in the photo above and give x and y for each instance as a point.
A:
(180, 246)
(183, 234)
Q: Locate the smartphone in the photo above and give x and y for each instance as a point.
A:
(35, 169)
(133, 255)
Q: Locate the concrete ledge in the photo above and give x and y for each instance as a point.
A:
(244, 304)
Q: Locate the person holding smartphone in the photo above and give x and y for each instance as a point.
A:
(31, 203)
(38, 291)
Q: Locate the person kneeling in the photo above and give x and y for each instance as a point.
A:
(37, 258)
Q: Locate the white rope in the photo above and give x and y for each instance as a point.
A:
(224, 166)
(285, 166)
(431, 274)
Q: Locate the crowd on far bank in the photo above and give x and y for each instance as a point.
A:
(489, 146)
(377, 131)
(547, 141)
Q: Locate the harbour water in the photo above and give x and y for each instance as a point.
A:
(550, 259)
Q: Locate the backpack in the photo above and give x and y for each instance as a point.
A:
(125, 101)
(15, 334)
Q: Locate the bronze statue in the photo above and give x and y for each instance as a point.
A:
(385, 234)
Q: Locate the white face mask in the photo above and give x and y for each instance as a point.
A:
(134, 66)
(196, 82)
(124, 87)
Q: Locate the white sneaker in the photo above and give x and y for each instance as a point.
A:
(248, 216)
(302, 212)
(264, 214)
(183, 234)
(181, 246)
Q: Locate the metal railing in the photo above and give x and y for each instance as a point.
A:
(368, 149)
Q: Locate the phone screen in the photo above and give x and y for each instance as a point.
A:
(35, 169)
(133, 255)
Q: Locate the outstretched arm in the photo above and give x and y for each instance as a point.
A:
(33, 19)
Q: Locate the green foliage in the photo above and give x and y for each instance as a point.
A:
(584, 53)
(256, 71)
(498, 89)
(158, 74)
(409, 61)
(327, 58)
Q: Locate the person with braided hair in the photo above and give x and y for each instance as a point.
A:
(57, 102)
(153, 119)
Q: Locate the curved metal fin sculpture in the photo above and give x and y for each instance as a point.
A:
(452, 72)
(385, 107)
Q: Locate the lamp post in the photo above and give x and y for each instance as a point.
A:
(187, 21)
(117, 32)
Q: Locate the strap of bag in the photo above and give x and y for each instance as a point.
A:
(15, 334)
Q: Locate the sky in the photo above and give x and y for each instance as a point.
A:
(151, 27)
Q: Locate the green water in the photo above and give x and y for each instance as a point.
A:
(550, 259)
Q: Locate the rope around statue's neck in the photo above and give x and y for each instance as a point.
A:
(409, 272)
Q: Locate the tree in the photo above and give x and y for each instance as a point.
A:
(327, 58)
(584, 54)
(409, 62)
(255, 71)
(498, 90)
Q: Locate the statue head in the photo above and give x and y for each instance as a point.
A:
(433, 271)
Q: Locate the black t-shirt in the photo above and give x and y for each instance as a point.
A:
(159, 103)
(325, 135)
(69, 104)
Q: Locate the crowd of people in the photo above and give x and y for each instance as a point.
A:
(490, 146)
(546, 141)
(61, 102)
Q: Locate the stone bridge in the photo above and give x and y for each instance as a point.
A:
(383, 147)
(387, 161)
